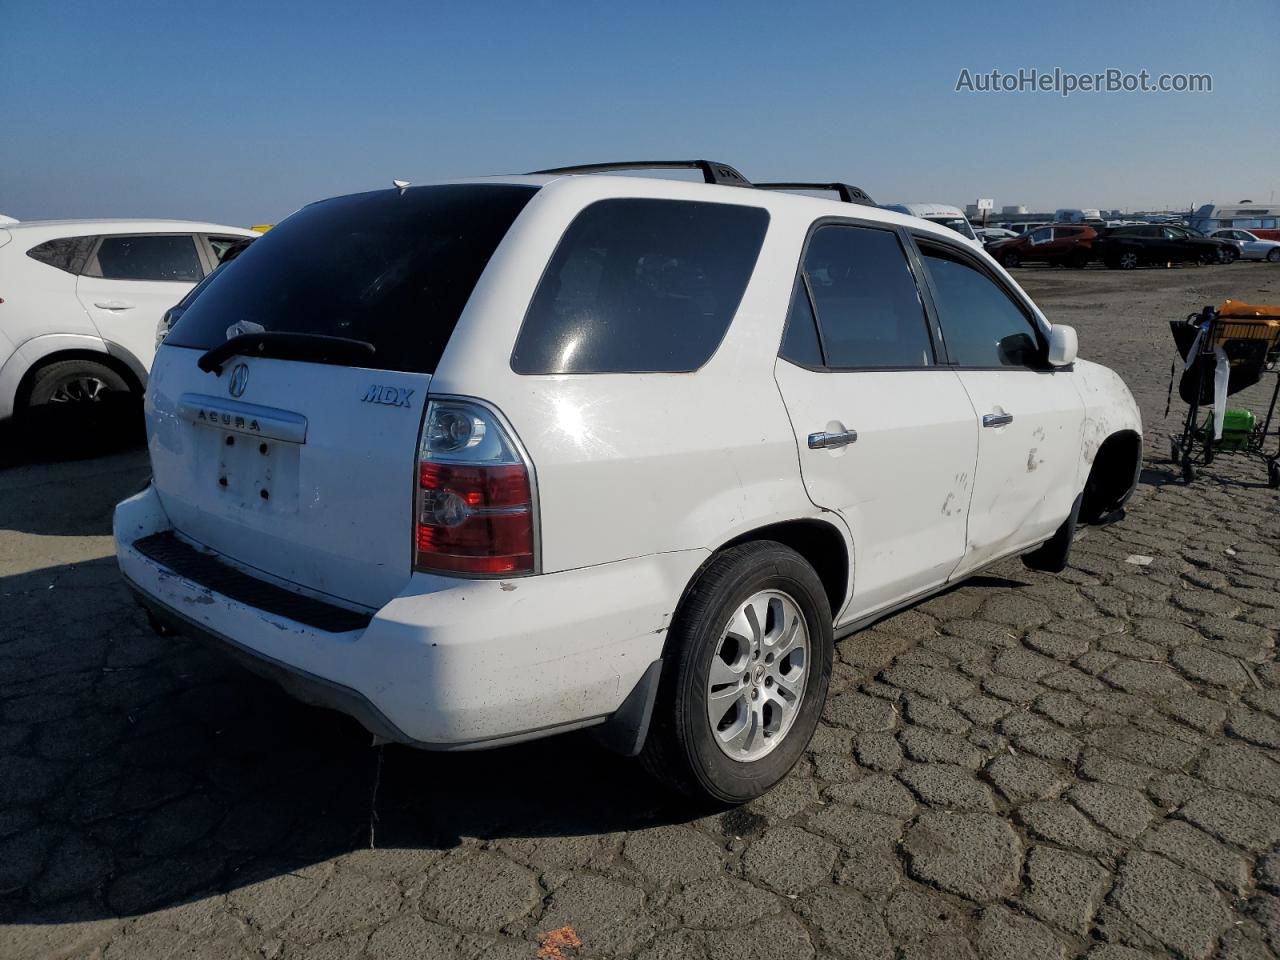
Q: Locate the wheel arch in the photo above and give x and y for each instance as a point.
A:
(105, 358)
(820, 542)
(1113, 475)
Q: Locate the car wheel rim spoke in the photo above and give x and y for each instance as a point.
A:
(79, 390)
(756, 681)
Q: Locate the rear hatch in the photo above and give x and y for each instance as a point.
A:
(294, 454)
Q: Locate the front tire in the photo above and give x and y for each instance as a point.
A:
(1273, 256)
(744, 676)
(1128, 260)
(1010, 259)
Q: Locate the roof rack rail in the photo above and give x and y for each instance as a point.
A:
(712, 171)
(847, 191)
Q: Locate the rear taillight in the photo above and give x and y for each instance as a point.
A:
(474, 503)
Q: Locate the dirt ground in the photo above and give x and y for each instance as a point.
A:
(1026, 767)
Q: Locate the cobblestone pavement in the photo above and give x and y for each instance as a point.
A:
(1028, 766)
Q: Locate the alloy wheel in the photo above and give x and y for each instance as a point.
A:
(81, 389)
(758, 676)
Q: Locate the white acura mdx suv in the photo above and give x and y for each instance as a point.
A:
(489, 460)
(80, 301)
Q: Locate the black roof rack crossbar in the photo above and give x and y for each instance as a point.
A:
(847, 191)
(712, 171)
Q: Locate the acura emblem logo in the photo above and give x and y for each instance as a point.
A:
(239, 380)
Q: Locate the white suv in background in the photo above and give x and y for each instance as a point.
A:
(490, 460)
(82, 299)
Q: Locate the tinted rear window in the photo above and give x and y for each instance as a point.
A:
(389, 268)
(640, 285)
(65, 253)
(166, 257)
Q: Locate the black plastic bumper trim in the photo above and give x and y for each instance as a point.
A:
(208, 571)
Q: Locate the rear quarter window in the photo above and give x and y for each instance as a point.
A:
(393, 269)
(640, 285)
(65, 253)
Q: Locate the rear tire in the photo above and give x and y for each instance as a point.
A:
(79, 407)
(1273, 256)
(1010, 259)
(734, 759)
(1128, 260)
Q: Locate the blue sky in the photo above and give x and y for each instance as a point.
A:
(241, 112)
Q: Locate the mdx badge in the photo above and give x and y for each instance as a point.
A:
(239, 380)
(387, 396)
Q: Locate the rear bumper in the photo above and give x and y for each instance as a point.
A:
(449, 663)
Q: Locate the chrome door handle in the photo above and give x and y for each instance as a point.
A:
(827, 441)
(996, 419)
(112, 305)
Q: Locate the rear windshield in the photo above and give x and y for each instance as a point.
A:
(640, 285)
(391, 268)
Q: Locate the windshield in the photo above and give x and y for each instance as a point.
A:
(391, 268)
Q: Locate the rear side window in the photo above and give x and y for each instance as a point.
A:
(640, 285)
(865, 298)
(220, 245)
(170, 257)
(388, 268)
(982, 325)
(65, 253)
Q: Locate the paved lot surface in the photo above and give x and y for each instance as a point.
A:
(1025, 767)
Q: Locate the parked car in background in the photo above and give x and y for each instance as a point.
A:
(1067, 245)
(942, 214)
(1250, 245)
(479, 516)
(82, 299)
(1125, 248)
(1076, 215)
(1227, 251)
(1021, 228)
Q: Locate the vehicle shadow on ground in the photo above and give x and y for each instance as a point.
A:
(55, 435)
(139, 772)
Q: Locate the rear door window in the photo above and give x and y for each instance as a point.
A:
(393, 269)
(864, 296)
(168, 257)
(220, 245)
(640, 285)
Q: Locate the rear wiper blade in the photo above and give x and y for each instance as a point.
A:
(313, 347)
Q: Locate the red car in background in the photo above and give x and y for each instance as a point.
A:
(1068, 244)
